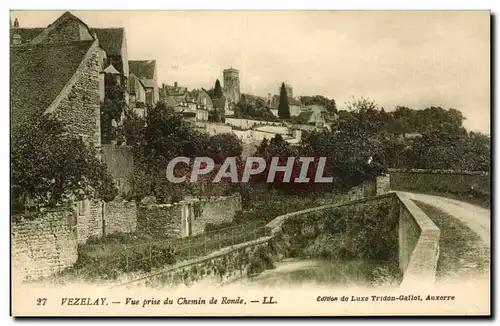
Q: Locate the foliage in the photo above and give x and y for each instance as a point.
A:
(363, 231)
(260, 260)
(283, 108)
(216, 116)
(112, 108)
(118, 253)
(50, 167)
(132, 128)
(366, 130)
(221, 146)
(165, 135)
(217, 90)
(253, 108)
(329, 104)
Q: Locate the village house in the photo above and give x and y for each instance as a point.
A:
(59, 71)
(146, 70)
(137, 95)
(294, 104)
(221, 105)
(112, 41)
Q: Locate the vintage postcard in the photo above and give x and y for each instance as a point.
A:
(250, 163)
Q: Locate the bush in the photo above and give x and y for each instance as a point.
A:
(260, 261)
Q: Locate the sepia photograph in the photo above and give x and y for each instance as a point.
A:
(250, 163)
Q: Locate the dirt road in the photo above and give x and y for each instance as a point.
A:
(475, 217)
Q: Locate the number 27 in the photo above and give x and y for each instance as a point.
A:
(41, 301)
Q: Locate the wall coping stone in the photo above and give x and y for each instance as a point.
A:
(437, 171)
(423, 261)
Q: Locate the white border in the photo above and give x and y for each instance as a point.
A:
(494, 5)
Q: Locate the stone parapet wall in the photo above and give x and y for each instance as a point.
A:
(418, 243)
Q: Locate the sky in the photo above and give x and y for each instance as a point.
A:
(409, 58)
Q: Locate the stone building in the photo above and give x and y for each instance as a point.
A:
(112, 42)
(60, 71)
(221, 105)
(294, 104)
(146, 70)
(231, 87)
(137, 95)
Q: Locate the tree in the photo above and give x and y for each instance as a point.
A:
(283, 108)
(328, 104)
(217, 90)
(221, 146)
(166, 135)
(51, 167)
(111, 109)
(132, 129)
(251, 108)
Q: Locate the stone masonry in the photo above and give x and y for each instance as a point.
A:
(42, 246)
(79, 107)
(120, 217)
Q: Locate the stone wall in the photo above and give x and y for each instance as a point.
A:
(120, 216)
(249, 123)
(187, 217)
(224, 265)
(418, 243)
(161, 221)
(213, 210)
(213, 128)
(441, 181)
(89, 222)
(42, 246)
(79, 106)
(120, 164)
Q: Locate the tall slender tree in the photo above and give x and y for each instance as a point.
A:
(283, 108)
(217, 90)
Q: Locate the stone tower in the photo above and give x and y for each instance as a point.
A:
(232, 85)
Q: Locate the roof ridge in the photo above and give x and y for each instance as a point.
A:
(50, 45)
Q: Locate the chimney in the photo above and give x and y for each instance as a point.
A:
(175, 84)
(16, 23)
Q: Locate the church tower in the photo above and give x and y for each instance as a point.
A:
(232, 85)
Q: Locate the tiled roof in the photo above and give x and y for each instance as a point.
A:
(27, 34)
(219, 103)
(148, 82)
(170, 102)
(294, 101)
(134, 83)
(67, 16)
(143, 69)
(40, 72)
(110, 39)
